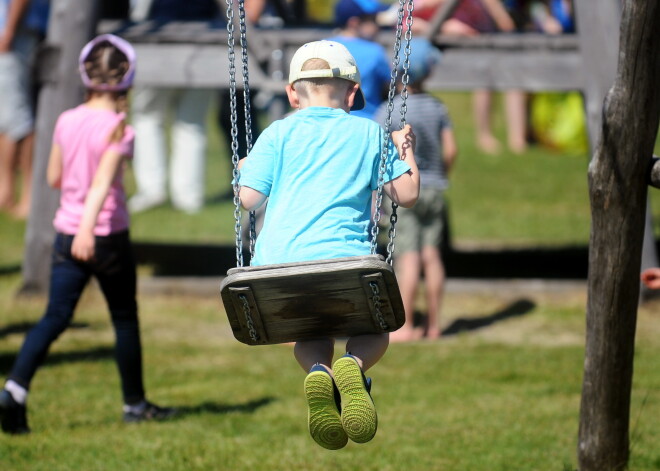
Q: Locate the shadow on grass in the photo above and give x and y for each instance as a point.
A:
(220, 409)
(518, 308)
(9, 269)
(23, 327)
(95, 354)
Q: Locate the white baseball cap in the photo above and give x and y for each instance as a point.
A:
(342, 65)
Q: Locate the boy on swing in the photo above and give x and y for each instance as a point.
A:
(318, 168)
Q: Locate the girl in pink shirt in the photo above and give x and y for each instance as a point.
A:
(90, 145)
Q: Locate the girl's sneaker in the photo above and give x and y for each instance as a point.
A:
(358, 415)
(13, 415)
(147, 411)
(324, 416)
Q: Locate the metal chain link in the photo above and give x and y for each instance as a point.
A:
(234, 121)
(408, 6)
(248, 318)
(246, 111)
(234, 132)
(388, 126)
(402, 111)
(376, 302)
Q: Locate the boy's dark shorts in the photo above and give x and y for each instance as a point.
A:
(421, 225)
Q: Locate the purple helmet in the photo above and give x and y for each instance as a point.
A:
(121, 44)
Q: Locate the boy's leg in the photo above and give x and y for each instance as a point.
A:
(408, 267)
(368, 349)
(434, 281)
(323, 399)
(358, 414)
(310, 352)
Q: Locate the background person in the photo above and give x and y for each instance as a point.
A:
(307, 218)
(358, 29)
(23, 26)
(90, 145)
(420, 229)
(188, 107)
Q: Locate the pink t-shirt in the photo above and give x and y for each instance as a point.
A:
(83, 136)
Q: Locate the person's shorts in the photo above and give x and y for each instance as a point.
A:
(16, 108)
(421, 225)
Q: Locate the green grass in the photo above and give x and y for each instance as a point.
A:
(504, 397)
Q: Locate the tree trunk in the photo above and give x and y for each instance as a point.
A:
(618, 191)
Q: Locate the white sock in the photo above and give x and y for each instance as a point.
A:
(18, 392)
(136, 408)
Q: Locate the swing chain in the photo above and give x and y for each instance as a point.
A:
(402, 111)
(248, 318)
(234, 121)
(246, 110)
(388, 125)
(392, 233)
(376, 301)
(408, 6)
(234, 133)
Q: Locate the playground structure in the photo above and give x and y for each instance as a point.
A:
(586, 62)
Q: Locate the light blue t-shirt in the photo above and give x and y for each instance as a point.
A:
(318, 167)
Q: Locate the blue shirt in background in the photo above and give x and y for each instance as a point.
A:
(374, 69)
(35, 19)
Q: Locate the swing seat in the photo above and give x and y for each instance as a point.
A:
(289, 302)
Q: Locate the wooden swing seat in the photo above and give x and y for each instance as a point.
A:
(288, 302)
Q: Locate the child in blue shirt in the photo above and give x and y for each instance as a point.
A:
(319, 169)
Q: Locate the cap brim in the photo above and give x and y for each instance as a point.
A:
(359, 101)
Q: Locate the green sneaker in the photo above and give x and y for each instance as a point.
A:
(324, 409)
(358, 414)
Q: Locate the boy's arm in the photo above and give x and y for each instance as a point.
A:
(251, 199)
(449, 148)
(84, 242)
(404, 190)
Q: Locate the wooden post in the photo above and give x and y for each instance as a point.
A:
(72, 24)
(618, 192)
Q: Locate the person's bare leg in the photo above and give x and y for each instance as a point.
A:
(7, 173)
(368, 349)
(408, 266)
(25, 150)
(310, 352)
(516, 120)
(482, 108)
(434, 281)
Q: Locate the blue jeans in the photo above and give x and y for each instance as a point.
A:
(114, 268)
